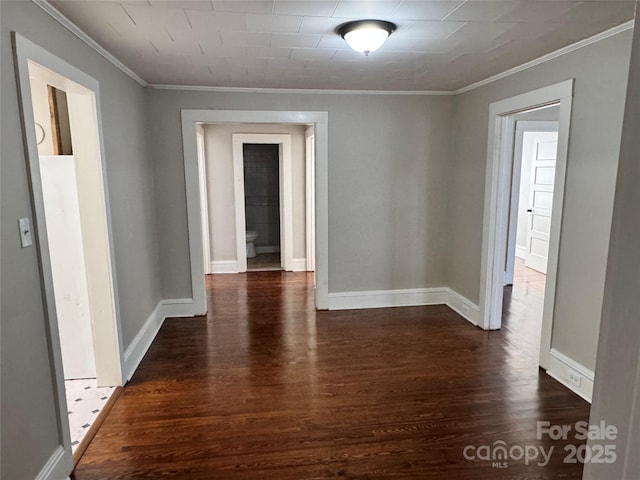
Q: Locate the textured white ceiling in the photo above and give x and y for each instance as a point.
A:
(439, 44)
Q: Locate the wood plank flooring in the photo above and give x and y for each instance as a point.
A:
(265, 387)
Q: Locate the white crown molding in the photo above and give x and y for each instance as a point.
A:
(63, 20)
(507, 73)
(298, 90)
(78, 32)
(549, 56)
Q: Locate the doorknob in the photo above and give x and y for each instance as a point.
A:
(529, 210)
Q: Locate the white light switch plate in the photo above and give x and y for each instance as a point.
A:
(25, 232)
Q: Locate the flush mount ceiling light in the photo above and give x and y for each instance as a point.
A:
(366, 36)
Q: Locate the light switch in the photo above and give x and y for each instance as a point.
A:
(25, 232)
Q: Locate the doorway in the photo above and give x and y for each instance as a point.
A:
(531, 204)
(254, 191)
(263, 199)
(498, 246)
(261, 171)
(190, 121)
(531, 200)
(63, 139)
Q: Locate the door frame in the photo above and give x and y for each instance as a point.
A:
(285, 191)
(189, 119)
(84, 94)
(521, 126)
(204, 200)
(496, 204)
(310, 153)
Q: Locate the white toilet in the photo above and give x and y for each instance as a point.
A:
(252, 236)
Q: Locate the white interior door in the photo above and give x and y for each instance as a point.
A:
(543, 169)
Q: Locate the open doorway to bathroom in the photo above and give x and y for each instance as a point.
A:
(262, 206)
(71, 206)
(59, 176)
(226, 251)
(258, 197)
(62, 130)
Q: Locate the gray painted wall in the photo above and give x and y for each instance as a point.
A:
(616, 399)
(388, 184)
(29, 430)
(405, 211)
(600, 72)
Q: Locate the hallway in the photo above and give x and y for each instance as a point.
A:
(266, 387)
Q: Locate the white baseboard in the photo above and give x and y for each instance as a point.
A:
(406, 298)
(521, 252)
(135, 352)
(560, 366)
(178, 307)
(58, 466)
(267, 249)
(142, 341)
(224, 266)
(463, 306)
(387, 298)
(299, 265)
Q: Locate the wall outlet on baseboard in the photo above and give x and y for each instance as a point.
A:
(574, 378)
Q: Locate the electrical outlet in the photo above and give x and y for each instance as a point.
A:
(574, 378)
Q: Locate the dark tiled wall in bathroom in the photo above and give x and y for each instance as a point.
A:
(261, 192)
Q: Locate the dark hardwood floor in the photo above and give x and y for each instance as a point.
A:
(265, 387)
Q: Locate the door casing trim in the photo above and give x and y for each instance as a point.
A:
(496, 205)
(189, 119)
(283, 140)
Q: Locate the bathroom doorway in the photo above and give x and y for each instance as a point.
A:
(227, 235)
(262, 206)
(65, 157)
(280, 147)
(254, 197)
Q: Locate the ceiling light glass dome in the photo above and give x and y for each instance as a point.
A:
(366, 36)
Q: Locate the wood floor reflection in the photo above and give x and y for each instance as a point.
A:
(522, 311)
(265, 387)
